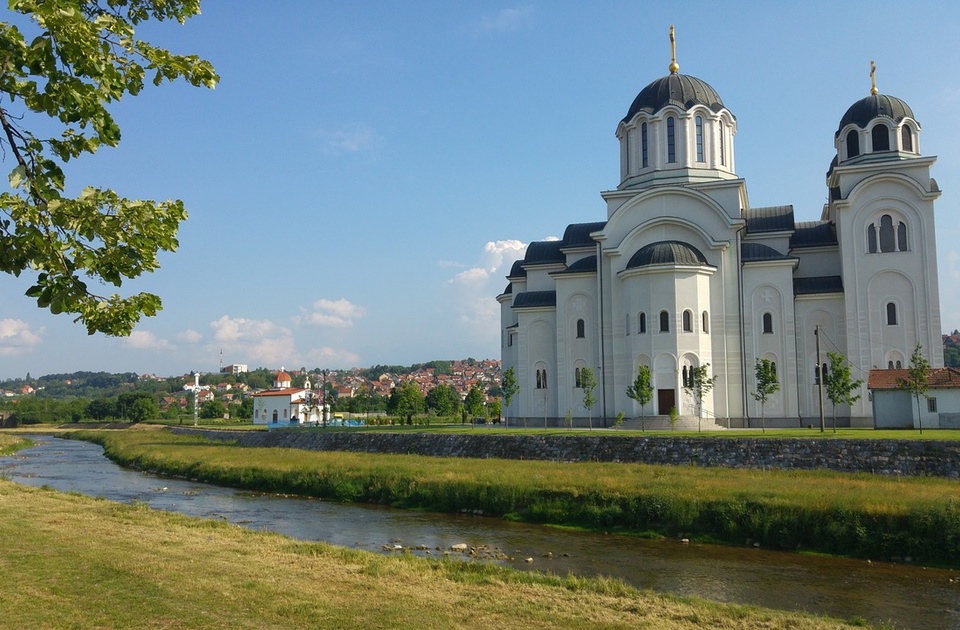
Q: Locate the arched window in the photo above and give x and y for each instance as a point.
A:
(872, 238)
(902, 237)
(664, 321)
(687, 321)
(768, 323)
(889, 365)
(645, 157)
(891, 314)
(687, 377)
(773, 369)
(699, 124)
(541, 378)
(671, 140)
(853, 143)
(642, 323)
(887, 240)
(899, 365)
(723, 144)
(881, 138)
(577, 380)
(581, 329)
(706, 323)
(274, 415)
(284, 414)
(906, 138)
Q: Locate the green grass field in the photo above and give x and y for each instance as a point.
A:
(858, 515)
(88, 563)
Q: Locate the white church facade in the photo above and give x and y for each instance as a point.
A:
(683, 272)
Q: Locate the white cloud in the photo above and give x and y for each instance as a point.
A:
(333, 357)
(259, 342)
(506, 20)
(145, 340)
(189, 336)
(17, 338)
(355, 138)
(332, 314)
(475, 289)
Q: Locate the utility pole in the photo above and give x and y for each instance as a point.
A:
(820, 375)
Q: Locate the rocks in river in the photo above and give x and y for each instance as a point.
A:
(461, 547)
(529, 561)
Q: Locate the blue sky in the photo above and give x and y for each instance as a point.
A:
(366, 172)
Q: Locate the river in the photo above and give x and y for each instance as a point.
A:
(901, 595)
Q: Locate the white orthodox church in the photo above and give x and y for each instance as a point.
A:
(684, 273)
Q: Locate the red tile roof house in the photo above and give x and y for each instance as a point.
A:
(895, 408)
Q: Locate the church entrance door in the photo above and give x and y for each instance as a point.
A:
(666, 400)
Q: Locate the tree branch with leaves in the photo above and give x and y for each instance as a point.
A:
(840, 386)
(84, 56)
(767, 384)
(917, 380)
(641, 390)
(588, 382)
(698, 386)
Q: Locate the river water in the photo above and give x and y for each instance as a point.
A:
(903, 596)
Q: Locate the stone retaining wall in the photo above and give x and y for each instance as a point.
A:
(885, 457)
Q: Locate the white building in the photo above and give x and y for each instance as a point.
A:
(895, 408)
(284, 404)
(683, 272)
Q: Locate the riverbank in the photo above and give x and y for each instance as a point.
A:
(895, 457)
(88, 563)
(900, 519)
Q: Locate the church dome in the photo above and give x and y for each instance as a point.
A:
(874, 106)
(281, 380)
(667, 253)
(682, 90)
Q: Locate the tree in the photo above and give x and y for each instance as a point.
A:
(641, 390)
(765, 372)
(83, 56)
(474, 402)
(699, 385)
(495, 409)
(444, 400)
(143, 408)
(101, 408)
(406, 401)
(212, 410)
(245, 409)
(588, 382)
(508, 388)
(915, 383)
(837, 381)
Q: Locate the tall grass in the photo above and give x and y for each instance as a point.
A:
(856, 515)
(10, 444)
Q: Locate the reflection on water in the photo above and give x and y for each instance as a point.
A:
(909, 597)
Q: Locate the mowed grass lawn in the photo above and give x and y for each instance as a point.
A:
(77, 562)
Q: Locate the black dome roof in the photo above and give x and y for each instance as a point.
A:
(875, 106)
(681, 90)
(667, 253)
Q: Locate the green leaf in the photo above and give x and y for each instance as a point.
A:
(17, 176)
